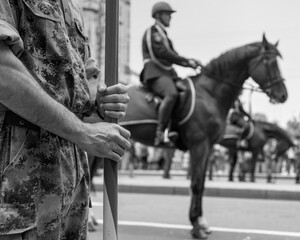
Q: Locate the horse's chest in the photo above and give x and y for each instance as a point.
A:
(207, 123)
(208, 115)
(214, 126)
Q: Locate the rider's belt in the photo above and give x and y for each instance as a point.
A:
(15, 120)
(155, 61)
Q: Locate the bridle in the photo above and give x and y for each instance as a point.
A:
(267, 61)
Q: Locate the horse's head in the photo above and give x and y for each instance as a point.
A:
(264, 70)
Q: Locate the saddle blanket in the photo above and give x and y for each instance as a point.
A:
(141, 108)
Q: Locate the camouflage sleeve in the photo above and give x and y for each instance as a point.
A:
(161, 51)
(9, 26)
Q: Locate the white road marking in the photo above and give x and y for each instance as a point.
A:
(187, 227)
(216, 229)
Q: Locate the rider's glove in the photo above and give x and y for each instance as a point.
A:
(192, 63)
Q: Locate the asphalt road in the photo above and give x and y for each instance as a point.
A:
(165, 217)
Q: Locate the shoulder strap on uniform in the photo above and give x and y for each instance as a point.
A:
(152, 56)
(164, 37)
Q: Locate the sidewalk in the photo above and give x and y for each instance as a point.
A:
(152, 182)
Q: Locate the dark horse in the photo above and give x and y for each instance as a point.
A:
(262, 131)
(201, 110)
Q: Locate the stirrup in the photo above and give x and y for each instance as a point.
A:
(244, 143)
(160, 141)
(173, 136)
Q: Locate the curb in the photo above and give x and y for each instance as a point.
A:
(157, 185)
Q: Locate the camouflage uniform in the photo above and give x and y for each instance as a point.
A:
(44, 178)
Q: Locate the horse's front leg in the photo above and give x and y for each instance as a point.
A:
(168, 156)
(253, 162)
(199, 158)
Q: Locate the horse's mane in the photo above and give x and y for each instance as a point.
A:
(275, 131)
(236, 56)
(232, 57)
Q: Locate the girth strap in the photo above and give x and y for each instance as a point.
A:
(193, 102)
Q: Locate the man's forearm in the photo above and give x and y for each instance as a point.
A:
(21, 94)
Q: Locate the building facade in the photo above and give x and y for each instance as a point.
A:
(94, 18)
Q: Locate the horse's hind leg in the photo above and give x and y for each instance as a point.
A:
(199, 158)
(168, 156)
(232, 157)
(297, 170)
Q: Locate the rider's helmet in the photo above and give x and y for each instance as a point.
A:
(161, 7)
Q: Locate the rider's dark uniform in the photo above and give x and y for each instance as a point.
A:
(158, 74)
(159, 55)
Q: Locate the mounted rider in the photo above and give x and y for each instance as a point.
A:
(238, 117)
(158, 73)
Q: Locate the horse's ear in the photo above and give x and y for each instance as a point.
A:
(276, 45)
(264, 40)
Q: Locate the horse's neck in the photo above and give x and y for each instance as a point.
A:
(224, 90)
(227, 74)
(273, 131)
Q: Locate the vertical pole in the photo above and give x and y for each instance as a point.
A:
(110, 195)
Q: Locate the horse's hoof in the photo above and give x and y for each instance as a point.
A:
(91, 227)
(166, 176)
(198, 234)
(94, 221)
(206, 229)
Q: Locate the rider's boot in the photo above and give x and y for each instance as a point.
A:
(164, 115)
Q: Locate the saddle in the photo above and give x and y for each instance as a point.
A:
(153, 98)
(236, 132)
(144, 105)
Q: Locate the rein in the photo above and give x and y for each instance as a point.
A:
(239, 86)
